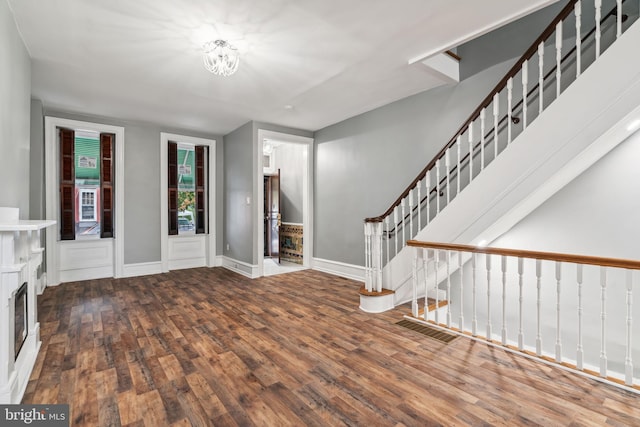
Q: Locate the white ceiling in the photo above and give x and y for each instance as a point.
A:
(328, 59)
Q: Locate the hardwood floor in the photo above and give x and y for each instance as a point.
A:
(210, 347)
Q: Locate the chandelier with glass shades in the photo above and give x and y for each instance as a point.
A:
(220, 57)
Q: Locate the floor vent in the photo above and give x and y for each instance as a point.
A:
(428, 331)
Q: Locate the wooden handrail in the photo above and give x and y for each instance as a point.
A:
(548, 256)
(501, 84)
(453, 55)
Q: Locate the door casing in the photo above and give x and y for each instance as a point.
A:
(258, 196)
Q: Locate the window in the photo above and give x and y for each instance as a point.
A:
(86, 187)
(187, 176)
(88, 205)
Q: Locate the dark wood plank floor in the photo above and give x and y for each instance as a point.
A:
(209, 347)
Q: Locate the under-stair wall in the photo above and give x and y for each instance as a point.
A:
(571, 134)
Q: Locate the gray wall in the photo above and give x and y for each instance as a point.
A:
(142, 183)
(364, 163)
(15, 115)
(238, 178)
(36, 166)
(506, 42)
(290, 160)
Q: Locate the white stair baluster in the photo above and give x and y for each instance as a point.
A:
(470, 152)
(447, 164)
(419, 190)
(448, 289)
(411, 235)
(558, 330)
(436, 263)
(461, 270)
(509, 108)
(378, 228)
(628, 362)
(520, 304)
(425, 268)
(482, 131)
(578, 12)
(458, 170)
(558, 58)
(538, 306)
(395, 227)
(386, 223)
(618, 18)
(367, 258)
(417, 254)
(603, 322)
(504, 299)
(598, 4)
(474, 321)
(525, 84)
(404, 221)
(540, 77)
(437, 186)
(496, 121)
(488, 267)
(428, 185)
(580, 352)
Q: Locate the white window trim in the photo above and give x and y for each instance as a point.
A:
(52, 198)
(210, 245)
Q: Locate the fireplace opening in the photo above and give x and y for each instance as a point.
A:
(20, 318)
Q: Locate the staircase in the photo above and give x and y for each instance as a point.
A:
(550, 118)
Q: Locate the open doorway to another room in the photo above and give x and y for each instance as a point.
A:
(285, 202)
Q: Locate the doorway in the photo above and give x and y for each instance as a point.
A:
(284, 198)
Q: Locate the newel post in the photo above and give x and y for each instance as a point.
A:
(373, 256)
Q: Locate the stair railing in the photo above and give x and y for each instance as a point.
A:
(566, 309)
(507, 111)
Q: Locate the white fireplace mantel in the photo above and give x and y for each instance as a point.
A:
(20, 258)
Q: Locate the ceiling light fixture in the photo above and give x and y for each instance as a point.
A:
(220, 57)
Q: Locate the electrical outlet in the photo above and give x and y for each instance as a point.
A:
(227, 246)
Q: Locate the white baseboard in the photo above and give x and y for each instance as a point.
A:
(181, 264)
(348, 271)
(218, 261)
(240, 267)
(85, 274)
(142, 269)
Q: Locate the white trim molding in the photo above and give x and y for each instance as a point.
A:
(142, 269)
(52, 200)
(348, 271)
(208, 256)
(248, 270)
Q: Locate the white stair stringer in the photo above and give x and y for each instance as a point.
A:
(587, 121)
